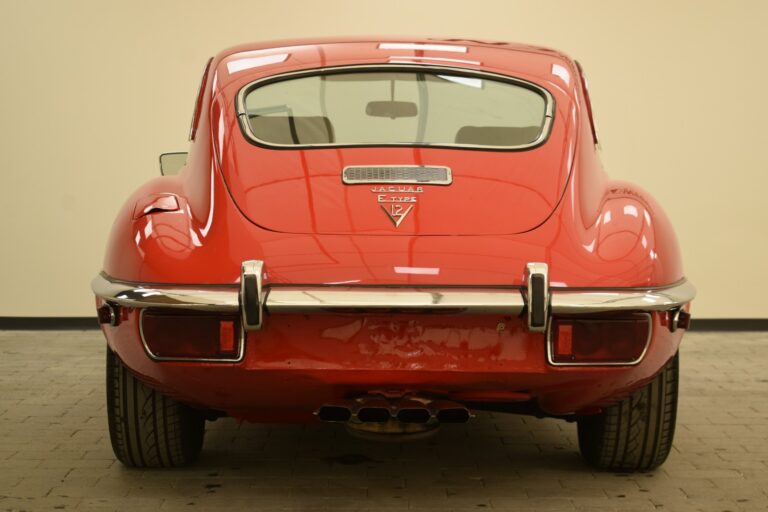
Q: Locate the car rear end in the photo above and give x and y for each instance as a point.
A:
(395, 242)
(230, 349)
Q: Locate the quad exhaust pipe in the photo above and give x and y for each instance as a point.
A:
(372, 409)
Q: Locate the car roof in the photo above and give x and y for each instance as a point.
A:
(365, 42)
(513, 58)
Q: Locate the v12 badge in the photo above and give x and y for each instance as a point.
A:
(397, 201)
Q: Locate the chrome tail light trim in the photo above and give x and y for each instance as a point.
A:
(235, 359)
(635, 362)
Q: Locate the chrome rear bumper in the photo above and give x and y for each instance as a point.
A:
(251, 300)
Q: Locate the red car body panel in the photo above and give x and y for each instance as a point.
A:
(236, 201)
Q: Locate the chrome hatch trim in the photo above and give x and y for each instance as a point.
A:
(397, 175)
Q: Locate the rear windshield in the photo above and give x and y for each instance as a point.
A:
(396, 108)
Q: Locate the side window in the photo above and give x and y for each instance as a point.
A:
(199, 101)
(587, 101)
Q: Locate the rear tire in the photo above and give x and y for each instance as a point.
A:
(635, 434)
(148, 429)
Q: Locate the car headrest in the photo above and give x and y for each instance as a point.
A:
(497, 135)
(292, 129)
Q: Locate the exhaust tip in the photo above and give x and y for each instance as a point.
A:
(334, 413)
(373, 415)
(453, 415)
(416, 415)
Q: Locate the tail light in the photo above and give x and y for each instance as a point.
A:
(191, 336)
(614, 338)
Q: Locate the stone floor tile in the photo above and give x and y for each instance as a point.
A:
(55, 452)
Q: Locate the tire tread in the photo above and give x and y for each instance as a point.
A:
(635, 434)
(146, 428)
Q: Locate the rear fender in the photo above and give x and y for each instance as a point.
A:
(632, 233)
(168, 234)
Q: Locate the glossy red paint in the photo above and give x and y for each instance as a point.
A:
(237, 202)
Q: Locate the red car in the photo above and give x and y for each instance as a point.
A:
(391, 234)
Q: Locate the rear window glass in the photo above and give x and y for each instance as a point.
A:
(396, 108)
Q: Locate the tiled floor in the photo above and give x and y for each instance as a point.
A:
(55, 453)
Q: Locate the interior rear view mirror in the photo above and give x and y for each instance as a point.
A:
(392, 109)
(171, 163)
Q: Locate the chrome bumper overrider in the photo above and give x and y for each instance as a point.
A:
(251, 300)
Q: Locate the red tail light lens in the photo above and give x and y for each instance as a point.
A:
(185, 335)
(599, 339)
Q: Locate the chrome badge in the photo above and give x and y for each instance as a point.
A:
(397, 187)
(396, 200)
(396, 213)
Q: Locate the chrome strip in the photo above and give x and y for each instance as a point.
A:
(251, 301)
(114, 318)
(539, 270)
(409, 181)
(546, 127)
(463, 300)
(137, 295)
(237, 359)
(674, 322)
(595, 301)
(637, 361)
(471, 299)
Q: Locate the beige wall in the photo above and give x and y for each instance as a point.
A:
(92, 91)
